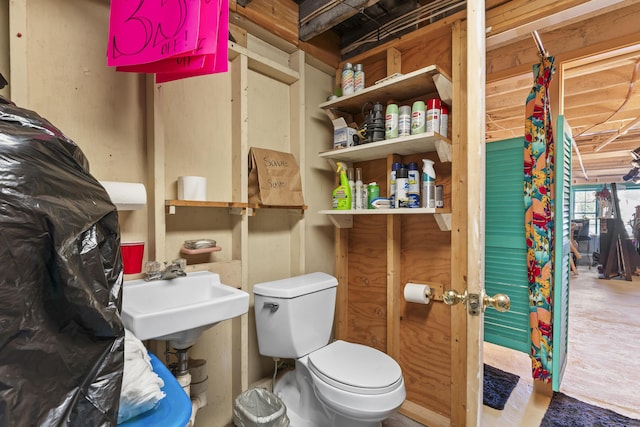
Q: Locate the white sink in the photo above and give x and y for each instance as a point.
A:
(180, 309)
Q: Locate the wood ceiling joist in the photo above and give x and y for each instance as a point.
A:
(317, 16)
(594, 124)
(597, 157)
(516, 13)
(612, 97)
(504, 105)
(571, 42)
(623, 143)
(621, 63)
(600, 81)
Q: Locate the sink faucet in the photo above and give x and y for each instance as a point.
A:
(153, 271)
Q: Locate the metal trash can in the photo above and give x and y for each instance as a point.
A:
(259, 407)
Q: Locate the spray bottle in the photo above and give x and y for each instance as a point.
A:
(342, 193)
(428, 184)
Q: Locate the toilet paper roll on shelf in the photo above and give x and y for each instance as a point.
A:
(192, 188)
(414, 292)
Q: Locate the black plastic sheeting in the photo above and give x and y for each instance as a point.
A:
(61, 337)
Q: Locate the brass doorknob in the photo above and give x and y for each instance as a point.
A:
(452, 297)
(500, 302)
(475, 303)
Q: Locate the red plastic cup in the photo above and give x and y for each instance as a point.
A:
(132, 254)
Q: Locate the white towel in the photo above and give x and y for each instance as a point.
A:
(140, 385)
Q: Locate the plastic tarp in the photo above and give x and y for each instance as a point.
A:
(61, 337)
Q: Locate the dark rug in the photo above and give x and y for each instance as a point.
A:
(498, 386)
(565, 411)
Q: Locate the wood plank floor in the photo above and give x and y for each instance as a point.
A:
(604, 346)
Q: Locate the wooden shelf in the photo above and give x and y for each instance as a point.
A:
(241, 207)
(344, 218)
(400, 211)
(413, 144)
(425, 81)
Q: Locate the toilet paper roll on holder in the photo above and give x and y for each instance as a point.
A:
(422, 293)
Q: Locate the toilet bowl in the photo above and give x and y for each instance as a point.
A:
(337, 384)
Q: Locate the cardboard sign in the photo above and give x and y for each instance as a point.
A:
(274, 178)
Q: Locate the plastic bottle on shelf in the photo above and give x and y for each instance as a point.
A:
(414, 185)
(342, 193)
(347, 79)
(392, 183)
(428, 184)
(359, 190)
(352, 185)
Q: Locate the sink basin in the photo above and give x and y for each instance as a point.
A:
(180, 309)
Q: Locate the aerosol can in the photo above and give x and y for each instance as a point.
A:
(428, 184)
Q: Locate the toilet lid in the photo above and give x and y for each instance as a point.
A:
(355, 367)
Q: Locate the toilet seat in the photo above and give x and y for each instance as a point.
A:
(356, 368)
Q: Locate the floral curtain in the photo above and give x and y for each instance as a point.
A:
(539, 152)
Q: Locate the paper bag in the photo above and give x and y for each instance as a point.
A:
(274, 178)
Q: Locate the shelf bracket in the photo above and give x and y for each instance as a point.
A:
(342, 221)
(444, 150)
(242, 211)
(443, 220)
(171, 210)
(444, 87)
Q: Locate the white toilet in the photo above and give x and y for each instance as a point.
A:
(338, 384)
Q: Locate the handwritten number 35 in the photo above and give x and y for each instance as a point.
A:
(145, 27)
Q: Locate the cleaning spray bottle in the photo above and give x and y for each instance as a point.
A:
(428, 184)
(342, 193)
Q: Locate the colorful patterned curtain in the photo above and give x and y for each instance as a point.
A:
(539, 152)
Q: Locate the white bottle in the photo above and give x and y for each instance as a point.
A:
(428, 184)
(359, 190)
(352, 184)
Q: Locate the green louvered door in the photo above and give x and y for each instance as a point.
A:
(505, 246)
(562, 269)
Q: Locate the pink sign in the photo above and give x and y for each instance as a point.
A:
(175, 38)
(217, 63)
(146, 31)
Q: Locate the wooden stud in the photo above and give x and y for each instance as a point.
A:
(394, 267)
(459, 229)
(342, 274)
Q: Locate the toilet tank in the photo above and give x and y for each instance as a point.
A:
(294, 316)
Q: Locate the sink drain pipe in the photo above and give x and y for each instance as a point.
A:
(192, 376)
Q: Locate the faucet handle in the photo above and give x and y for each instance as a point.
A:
(181, 263)
(151, 267)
